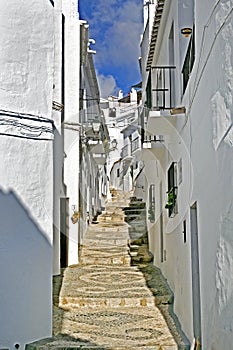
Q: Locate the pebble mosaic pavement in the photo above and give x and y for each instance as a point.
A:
(104, 302)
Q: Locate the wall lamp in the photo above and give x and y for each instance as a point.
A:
(186, 31)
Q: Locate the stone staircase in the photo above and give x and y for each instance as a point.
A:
(114, 297)
(135, 215)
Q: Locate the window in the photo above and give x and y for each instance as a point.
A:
(151, 210)
(184, 231)
(112, 112)
(172, 190)
(148, 93)
(188, 62)
(180, 170)
(171, 49)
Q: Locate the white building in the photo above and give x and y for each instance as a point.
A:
(71, 120)
(121, 114)
(40, 181)
(187, 96)
(26, 176)
(81, 196)
(94, 138)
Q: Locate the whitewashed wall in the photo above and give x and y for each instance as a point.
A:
(204, 143)
(213, 139)
(27, 39)
(58, 152)
(71, 112)
(26, 171)
(26, 202)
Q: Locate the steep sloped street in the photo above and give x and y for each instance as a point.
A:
(105, 302)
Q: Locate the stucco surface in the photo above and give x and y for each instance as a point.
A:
(26, 170)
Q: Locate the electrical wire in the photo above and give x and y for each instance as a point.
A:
(26, 116)
(25, 130)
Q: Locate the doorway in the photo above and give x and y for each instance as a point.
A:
(171, 50)
(161, 220)
(196, 295)
(64, 219)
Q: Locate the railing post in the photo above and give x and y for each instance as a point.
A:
(170, 86)
(163, 88)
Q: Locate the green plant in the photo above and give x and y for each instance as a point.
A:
(151, 213)
(75, 217)
(171, 199)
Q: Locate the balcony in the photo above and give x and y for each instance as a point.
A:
(125, 151)
(161, 122)
(96, 147)
(163, 87)
(135, 145)
(161, 115)
(153, 149)
(100, 158)
(91, 132)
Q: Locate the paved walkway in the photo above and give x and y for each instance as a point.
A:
(107, 301)
(104, 302)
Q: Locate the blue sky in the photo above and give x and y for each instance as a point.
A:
(116, 26)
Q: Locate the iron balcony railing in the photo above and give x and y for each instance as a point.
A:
(162, 88)
(125, 151)
(135, 144)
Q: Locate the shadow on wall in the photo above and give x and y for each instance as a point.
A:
(25, 275)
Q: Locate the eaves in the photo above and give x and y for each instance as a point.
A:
(154, 34)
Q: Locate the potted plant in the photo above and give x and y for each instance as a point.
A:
(75, 217)
(151, 213)
(171, 199)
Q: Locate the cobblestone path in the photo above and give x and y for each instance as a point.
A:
(104, 302)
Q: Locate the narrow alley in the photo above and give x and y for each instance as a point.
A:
(108, 301)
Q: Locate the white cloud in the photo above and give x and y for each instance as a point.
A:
(107, 85)
(116, 26)
(120, 24)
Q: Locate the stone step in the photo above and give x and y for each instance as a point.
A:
(110, 218)
(105, 248)
(96, 260)
(134, 209)
(117, 328)
(106, 235)
(135, 212)
(106, 227)
(68, 303)
(138, 205)
(61, 345)
(104, 286)
(106, 242)
(104, 251)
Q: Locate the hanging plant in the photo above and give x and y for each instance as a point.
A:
(151, 213)
(171, 199)
(75, 217)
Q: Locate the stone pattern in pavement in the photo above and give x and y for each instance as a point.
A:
(104, 302)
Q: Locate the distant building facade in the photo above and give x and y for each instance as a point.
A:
(121, 114)
(94, 139)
